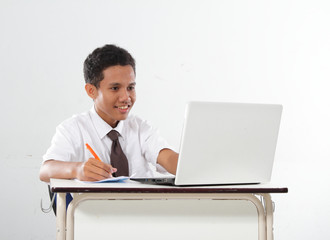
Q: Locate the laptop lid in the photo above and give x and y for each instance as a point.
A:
(228, 143)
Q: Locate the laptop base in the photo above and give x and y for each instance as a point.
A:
(158, 181)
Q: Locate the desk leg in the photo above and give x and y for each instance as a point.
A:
(60, 216)
(269, 215)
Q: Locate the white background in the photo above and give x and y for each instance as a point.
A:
(240, 51)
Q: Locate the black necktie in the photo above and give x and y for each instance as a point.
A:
(117, 157)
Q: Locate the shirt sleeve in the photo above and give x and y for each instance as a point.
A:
(152, 143)
(62, 145)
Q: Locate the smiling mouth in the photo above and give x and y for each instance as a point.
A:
(123, 107)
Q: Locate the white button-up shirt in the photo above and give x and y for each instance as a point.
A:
(139, 141)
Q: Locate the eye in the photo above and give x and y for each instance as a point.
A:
(114, 88)
(131, 88)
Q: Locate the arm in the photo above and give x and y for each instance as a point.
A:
(91, 170)
(168, 159)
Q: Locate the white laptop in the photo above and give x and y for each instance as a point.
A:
(226, 143)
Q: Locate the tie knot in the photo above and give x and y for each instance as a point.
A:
(113, 135)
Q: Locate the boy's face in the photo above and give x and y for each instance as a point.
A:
(115, 96)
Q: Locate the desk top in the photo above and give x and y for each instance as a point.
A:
(73, 186)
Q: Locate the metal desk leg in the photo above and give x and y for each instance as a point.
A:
(60, 216)
(269, 215)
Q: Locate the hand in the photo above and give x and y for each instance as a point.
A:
(94, 170)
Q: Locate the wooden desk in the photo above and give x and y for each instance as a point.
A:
(258, 194)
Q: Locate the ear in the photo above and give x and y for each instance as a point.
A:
(91, 90)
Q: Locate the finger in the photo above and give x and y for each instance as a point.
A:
(105, 166)
(91, 170)
(99, 164)
(91, 176)
(89, 179)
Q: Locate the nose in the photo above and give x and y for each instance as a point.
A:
(124, 96)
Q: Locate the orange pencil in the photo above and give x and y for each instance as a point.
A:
(92, 152)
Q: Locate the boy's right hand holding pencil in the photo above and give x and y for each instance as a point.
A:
(94, 170)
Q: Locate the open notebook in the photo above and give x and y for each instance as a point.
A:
(107, 180)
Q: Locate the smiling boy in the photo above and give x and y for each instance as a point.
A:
(109, 74)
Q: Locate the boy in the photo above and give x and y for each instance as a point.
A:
(109, 74)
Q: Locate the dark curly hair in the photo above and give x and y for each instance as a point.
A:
(101, 58)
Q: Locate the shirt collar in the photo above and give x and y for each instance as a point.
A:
(102, 127)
